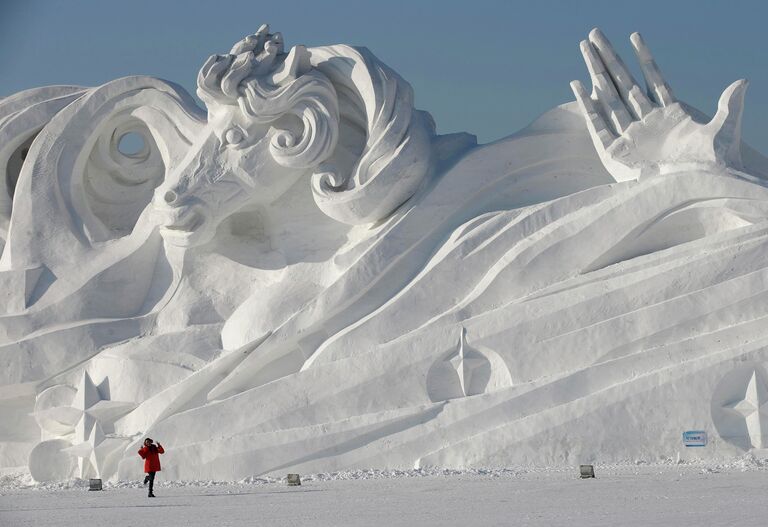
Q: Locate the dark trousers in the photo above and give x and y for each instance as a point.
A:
(151, 479)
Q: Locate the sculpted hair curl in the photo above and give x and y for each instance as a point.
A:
(388, 139)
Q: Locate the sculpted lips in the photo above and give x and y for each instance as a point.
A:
(188, 221)
(183, 222)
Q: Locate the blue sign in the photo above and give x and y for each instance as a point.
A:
(693, 438)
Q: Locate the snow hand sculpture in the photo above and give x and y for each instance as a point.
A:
(638, 134)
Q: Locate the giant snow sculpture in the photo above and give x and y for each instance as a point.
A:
(308, 277)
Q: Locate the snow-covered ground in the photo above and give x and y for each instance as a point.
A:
(626, 495)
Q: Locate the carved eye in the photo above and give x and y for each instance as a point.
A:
(233, 136)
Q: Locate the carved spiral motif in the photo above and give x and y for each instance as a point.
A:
(312, 85)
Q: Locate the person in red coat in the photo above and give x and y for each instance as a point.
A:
(150, 453)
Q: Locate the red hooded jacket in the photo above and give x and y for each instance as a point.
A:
(151, 456)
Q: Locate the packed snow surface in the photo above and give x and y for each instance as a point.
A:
(307, 277)
(627, 495)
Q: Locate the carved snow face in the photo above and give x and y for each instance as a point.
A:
(228, 165)
(274, 116)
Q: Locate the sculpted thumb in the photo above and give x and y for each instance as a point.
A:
(726, 124)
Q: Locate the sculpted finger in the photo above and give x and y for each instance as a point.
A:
(598, 128)
(726, 124)
(604, 90)
(625, 83)
(658, 89)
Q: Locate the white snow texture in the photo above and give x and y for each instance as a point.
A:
(307, 278)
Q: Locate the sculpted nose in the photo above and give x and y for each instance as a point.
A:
(170, 197)
(166, 197)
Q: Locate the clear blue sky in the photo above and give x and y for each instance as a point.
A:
(488, 67)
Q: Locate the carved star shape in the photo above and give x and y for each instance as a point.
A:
(90, 445)
(465, 363)
(753, 407)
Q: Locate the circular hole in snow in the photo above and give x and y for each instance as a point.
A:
(131, 144)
